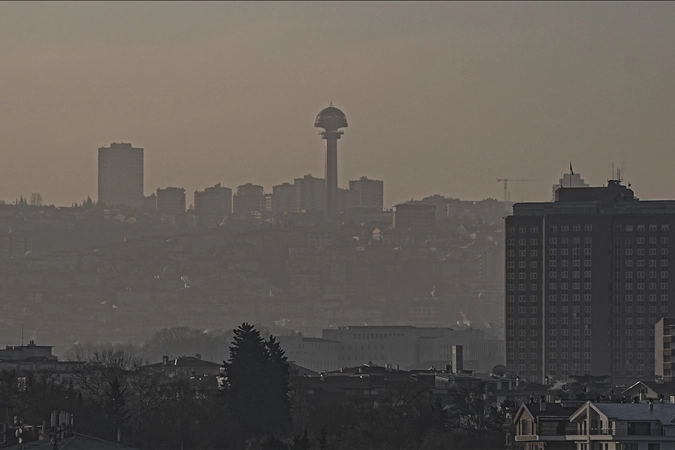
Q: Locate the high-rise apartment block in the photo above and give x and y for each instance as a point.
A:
(664, 346)
(309, 194)
(283, 199)
(250, 198)
(171, 200)
(367, 193)
(587, 278)
(120, 175)
(213, 201)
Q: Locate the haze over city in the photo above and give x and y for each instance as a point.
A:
(337, 226)
(441, 97)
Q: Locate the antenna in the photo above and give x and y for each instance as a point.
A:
(22, 335)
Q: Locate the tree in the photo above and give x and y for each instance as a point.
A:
(257, 377)
(277, 386)
(36, 199)
(115, 405)
(323, 439)
(300, 442)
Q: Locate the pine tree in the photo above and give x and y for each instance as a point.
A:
(300, 442)
(246, 378)
(115, 404)
(323, 439)
(277, 386)
(258, 383)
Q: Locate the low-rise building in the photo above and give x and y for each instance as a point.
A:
(185, 367)
(595, 426)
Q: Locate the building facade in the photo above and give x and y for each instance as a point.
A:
(283, 199)
(367, 193)
(663, 349)
(586, 281)
(171, 200)
(309, 194)
(250, 198)
(213, 201)
(120, 175)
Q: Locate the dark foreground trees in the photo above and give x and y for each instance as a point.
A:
(257, 386)
(260, 406)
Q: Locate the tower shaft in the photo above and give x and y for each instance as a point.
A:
(332, 209)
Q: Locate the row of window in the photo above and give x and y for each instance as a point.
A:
(640, 298)
(564, 332)
(565, 251)
(564, 367)
(565, 274)
(589, 227)
(641, 274)
(641, 240)
(575, 286)
(564, 321)
(640, 286)
(639, 309)
(565, 263)
(563, 343)
(630, 228)
(641, 263)
(628, 332)
(641, 251)
(522, 287)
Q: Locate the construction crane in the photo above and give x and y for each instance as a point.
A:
(505, 181)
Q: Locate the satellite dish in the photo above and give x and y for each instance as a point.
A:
(499, 370)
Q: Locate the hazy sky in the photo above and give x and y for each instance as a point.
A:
(440, 97)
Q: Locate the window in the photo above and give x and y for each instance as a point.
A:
(588, 227)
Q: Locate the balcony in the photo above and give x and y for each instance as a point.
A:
(626, 432)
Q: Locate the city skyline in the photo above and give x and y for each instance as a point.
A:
(443, 98)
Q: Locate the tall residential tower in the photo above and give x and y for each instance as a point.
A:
(120, 175)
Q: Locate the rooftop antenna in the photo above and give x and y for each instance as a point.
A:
(22, 335)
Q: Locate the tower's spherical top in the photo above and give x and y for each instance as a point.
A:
(331, 118)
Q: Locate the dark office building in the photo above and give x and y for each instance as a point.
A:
(587, 278)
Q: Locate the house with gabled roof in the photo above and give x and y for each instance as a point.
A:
(543, 425)
(624, 426)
